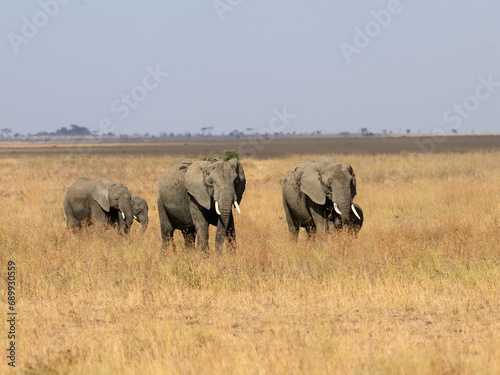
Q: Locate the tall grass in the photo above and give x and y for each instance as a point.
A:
(416, 292)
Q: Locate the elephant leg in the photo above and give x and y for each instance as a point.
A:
(71, 221)
(201, 227)
(202, 235)
(97, 214)
(293, 227)
(231, 234)
(189, 237)
(319, 218)
(311, 231)
(166, 228)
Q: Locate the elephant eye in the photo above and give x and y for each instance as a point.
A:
(138, 211)
(116, 198)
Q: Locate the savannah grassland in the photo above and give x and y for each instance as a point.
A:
(417, 292)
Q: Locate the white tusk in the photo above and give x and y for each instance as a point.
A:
(355, 212)
(237, 207)
(135, 217)
(337, 208)
(217, 208)
(123, 215)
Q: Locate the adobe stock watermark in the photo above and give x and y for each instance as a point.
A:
(121, 107)
(221, 7)
(265, 136)
(363, 36)
(31, 26)
(131, 100)
(461, 111)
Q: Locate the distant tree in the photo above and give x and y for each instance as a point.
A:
(408, 131)
(384, 131)
(6, 131)
(207, 130)
(364, 131)
(235, 133)
(454, 131)
(62, 131)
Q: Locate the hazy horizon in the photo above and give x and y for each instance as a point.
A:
(235, 65)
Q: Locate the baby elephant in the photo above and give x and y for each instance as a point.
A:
(319, 195)
(139, 209)
(93, 201)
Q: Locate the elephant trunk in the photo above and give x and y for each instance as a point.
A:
(144, 225)
(126, 213)
(224, 203)
(342, 204)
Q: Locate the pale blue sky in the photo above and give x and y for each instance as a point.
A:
(234, 69)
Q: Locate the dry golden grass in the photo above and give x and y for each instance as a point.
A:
(417, 292)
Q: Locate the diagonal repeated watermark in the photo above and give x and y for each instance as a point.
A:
(461, 111)
(278, 122)
(31, 26)
(363, 36)
(222, 7)
(121, 108)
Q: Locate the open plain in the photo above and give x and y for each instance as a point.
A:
(416, 292)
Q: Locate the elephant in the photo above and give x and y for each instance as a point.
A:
(139, 209)
(194, 194)
(320, 195)
(93, 201)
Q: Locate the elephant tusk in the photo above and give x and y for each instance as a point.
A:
(135, 217)
(337, 208)
(217, 208)
(237, 207)
(123, 215)
(355, 212)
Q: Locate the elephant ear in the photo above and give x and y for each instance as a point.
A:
(100, 194)
(353, 182)
(240, 182)
(310, 184)
(195, 185)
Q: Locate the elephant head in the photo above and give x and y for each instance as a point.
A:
(140, 210)
(218, 184)
(328, 180)
(112, 195)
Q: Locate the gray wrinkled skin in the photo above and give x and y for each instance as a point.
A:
(94, 201)
(187, 193)
(310, 190)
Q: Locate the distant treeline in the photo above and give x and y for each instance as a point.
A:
(81, 134)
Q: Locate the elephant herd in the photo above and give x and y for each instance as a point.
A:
(195, 194)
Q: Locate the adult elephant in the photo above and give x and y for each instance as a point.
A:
(93, 201)
(139, 209)
(194, 194)
(319, 195)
